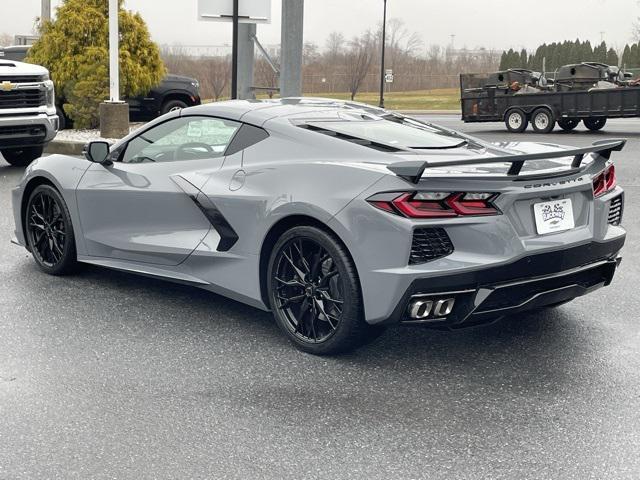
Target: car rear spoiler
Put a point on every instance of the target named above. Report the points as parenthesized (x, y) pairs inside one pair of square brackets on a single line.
[(413, 171)]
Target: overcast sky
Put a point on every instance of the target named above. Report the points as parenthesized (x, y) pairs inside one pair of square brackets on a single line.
[(491, 23)]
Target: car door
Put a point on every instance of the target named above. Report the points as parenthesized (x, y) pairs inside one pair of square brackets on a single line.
[(138, 209)]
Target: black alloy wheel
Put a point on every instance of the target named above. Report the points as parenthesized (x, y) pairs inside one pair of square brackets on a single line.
[(49, 231), (314, 292)]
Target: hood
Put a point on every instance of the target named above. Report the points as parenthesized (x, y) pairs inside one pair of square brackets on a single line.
[(178, 79), (10, 68)]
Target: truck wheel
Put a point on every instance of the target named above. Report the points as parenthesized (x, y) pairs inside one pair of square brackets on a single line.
[(568, 124), (21, 157), (516, 121), (172, 105), (595, 123), (542, 121)]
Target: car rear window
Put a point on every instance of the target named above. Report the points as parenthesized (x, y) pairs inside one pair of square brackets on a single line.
[(392, 134)]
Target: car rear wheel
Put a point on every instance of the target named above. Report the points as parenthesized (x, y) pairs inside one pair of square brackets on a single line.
[(50, 232), (542, 121), (595, 123), (21, 157), (516, 121), (314, 293), (568, 124), (173, 105)]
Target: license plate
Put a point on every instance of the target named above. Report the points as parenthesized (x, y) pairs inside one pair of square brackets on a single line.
[(555, 216)]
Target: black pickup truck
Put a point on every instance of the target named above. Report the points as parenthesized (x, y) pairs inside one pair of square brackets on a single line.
[(174, 92)]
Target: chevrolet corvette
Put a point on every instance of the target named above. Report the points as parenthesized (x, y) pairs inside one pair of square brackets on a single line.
[(339, 218)]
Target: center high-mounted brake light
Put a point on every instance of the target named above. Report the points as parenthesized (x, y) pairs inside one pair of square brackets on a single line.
[(436, 204), (605, 181)]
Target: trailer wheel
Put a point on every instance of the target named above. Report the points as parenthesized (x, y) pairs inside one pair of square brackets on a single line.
[(595, 123), (516, 121), (568, 124), (543, 121)]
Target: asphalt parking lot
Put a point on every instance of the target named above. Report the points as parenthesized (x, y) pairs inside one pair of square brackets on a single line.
[(109, 375)]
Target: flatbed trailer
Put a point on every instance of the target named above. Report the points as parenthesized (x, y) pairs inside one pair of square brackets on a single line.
[(546, 108)]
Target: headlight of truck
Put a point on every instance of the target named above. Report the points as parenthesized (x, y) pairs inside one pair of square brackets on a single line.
[(195, 84), (51, 96)]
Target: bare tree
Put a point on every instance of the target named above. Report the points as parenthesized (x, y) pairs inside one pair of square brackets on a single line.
[(219, 75), (265, 76), (5, 39), (358, 59)]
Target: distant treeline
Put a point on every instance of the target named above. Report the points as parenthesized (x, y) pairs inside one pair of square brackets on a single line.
[(567, 52)]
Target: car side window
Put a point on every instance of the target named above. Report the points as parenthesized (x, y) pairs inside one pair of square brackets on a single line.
[(185, 138)]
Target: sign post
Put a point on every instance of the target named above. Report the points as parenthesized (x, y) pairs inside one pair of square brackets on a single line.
[(244, 15)]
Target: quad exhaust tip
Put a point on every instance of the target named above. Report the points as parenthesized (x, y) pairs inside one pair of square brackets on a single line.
[(431, 309)]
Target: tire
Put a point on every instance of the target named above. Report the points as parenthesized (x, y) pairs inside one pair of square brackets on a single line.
[(49, 231), (171, 105), (317, 301), (595, 123), (516, 121), (21, 157), (543, 121), (62, 119), (568, 124)]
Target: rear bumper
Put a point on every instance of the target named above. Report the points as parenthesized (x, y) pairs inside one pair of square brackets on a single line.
[(531, 282)]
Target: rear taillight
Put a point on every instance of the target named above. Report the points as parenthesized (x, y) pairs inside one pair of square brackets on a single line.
[(435, 204), (605, 181)]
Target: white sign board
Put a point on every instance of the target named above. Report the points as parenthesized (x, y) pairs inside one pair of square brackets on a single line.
[(250, 11), (388, 78)]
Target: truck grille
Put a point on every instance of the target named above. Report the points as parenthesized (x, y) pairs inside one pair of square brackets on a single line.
[(429, 244), (21, 78), (615, 211), (31, 98)]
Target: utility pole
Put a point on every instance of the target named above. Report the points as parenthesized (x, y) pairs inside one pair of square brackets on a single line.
[(291, 50), (383, 44), (234, 49), (45, 11)]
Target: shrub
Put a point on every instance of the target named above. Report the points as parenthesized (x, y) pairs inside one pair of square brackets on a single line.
[(75, 49)]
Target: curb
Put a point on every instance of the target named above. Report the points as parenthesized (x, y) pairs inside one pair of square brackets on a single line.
[(430, 112), (64, 147)]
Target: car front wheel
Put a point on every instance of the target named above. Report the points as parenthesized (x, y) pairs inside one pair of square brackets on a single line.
[(314, 292), (50, 232)]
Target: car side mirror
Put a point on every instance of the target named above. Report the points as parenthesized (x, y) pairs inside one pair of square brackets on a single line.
[(97, 152)]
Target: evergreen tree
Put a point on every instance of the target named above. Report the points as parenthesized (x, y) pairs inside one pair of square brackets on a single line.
[(612, 57), (626, 56), (75, 49)]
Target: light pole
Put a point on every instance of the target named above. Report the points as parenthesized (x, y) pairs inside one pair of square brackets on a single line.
[(384, 41), (114, 57)]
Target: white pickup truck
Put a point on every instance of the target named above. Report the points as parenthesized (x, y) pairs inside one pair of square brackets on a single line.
[(28, 119)]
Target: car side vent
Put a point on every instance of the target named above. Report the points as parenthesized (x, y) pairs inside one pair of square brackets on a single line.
[(615, 211), (429, 244), (360, 141)]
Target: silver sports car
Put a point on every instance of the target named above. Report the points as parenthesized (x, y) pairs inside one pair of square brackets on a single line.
[(339, 218)]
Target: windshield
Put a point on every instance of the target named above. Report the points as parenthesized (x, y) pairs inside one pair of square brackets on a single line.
[(394, 134)]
